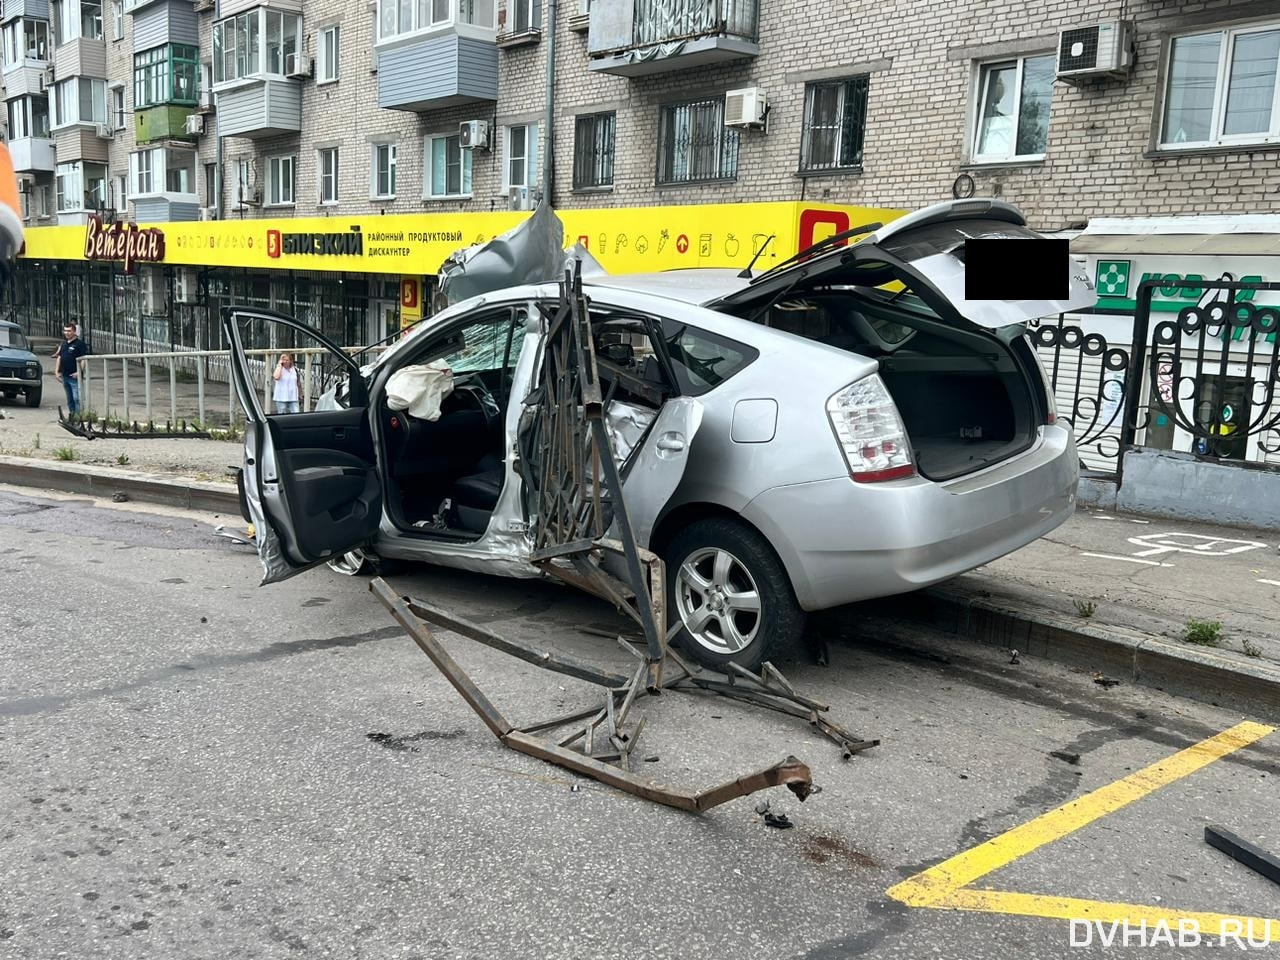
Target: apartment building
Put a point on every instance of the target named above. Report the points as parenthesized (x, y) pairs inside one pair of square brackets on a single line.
[(324, 157)]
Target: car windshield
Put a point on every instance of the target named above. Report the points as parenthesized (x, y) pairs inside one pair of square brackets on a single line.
[(12, 338)]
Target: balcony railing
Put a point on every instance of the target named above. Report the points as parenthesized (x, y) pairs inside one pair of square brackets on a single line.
[(639, 37), (663, 21)]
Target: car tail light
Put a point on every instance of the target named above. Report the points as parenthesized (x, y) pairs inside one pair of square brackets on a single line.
[(1050, 401), (871, 432)]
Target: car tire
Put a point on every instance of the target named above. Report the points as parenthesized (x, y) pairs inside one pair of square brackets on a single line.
[(33, 396), (718, 570)]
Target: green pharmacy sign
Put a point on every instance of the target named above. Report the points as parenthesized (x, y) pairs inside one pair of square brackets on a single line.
[(1117, 291)]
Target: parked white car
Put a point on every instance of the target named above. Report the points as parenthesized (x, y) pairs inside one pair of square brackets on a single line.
[(845, 427)]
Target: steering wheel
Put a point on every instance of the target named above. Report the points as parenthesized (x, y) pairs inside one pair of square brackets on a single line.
[(473, 388)]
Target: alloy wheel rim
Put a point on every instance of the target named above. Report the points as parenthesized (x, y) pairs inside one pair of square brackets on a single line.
[(718, 600), (350, 563)]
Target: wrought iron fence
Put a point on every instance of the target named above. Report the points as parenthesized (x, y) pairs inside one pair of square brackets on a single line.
[(1211, 374)]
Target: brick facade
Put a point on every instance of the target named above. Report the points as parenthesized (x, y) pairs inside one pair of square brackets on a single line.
[(920, 58)]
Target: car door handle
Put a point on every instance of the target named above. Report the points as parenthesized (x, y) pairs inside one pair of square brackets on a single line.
[(340, 433), (672, 442)]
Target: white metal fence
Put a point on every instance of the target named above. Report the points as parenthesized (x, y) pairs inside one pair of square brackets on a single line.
[(187, 384)]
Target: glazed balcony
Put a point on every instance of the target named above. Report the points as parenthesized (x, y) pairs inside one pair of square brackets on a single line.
[(635, 38)]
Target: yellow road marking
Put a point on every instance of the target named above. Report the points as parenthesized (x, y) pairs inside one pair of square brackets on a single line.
[(946, 886)]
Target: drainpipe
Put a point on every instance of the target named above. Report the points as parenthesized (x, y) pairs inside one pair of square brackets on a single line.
[(217, 197), (548, 135)]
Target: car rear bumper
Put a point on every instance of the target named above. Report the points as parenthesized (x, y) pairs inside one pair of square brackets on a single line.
[(843, 541)]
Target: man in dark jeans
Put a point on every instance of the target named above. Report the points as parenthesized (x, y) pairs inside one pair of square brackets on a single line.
[(66, 366)]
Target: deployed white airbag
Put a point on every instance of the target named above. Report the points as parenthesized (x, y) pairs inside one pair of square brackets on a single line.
[(419, 390)]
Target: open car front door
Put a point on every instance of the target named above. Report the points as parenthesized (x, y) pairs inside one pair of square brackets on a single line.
[(310, 479)]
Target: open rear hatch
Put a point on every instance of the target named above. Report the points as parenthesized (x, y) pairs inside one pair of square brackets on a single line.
[(961, 372)]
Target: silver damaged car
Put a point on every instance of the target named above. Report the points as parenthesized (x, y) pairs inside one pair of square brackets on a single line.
[(843, 427)]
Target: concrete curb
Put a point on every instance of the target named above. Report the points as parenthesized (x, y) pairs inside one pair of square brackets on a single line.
[(1197, 673), (105, 482)]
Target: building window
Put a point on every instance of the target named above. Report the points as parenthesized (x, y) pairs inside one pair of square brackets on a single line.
[(76, 19), (161, 170), (122, 195), (835, 116), (523, 16), (396, 18), (280, 172), (211, 185), (1013, 98), (142, 171), (244, 182), (448, 167), (327, 169), (384, 171), (1222, 88), (25, 39), (260, 41), (180, 172), (118, 112), (79, 100), (520, 156), (117, 20), (165, 75), (284, 34), (328, 50), (80, 186), (593, 150), (28, 117), (694, 145)]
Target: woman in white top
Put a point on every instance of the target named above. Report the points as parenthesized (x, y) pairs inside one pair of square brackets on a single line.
[(285, 393)]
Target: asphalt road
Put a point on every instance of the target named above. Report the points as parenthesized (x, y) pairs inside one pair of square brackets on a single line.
[(193, 767)]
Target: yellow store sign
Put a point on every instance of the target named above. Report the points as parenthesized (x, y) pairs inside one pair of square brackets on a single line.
[(624, 240)]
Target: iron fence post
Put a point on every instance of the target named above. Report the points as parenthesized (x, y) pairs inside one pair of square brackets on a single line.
[(1134, 376)]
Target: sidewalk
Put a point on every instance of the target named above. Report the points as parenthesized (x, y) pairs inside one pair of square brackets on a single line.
[(1109, 593)]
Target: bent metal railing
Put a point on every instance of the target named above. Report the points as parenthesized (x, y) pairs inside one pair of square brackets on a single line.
[(1211, 371)]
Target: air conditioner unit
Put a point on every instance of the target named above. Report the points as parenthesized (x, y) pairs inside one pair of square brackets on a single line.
[(297, 65), (195, 124), (474, 134), (518, 198), (206, 103), (745, 107), (46, 79), (105, 132), (26, 184), (185, 286), (1099, 49), (208, 213), (200, 6)]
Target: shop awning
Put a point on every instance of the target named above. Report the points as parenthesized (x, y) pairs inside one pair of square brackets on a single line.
[(1247, 235)]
